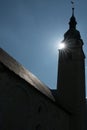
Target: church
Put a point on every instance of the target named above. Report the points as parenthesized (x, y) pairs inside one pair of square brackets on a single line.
[(28, 104)]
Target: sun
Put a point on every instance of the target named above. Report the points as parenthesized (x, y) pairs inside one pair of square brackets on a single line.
[(61, 46)]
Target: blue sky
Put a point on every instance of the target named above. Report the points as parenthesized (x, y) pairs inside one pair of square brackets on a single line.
[(30, 31)]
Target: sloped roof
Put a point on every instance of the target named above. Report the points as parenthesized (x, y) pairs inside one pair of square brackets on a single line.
[(18, 69)]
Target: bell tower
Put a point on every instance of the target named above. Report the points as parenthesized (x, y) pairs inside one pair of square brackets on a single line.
[(71, 75)]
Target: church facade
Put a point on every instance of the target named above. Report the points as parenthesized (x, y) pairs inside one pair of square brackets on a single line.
[(27, 104)]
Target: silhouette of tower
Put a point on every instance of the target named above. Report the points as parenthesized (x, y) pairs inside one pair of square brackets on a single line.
[(71, 76)]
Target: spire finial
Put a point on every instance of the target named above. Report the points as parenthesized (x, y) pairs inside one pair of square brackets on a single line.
[(72, 22), (72, 2)]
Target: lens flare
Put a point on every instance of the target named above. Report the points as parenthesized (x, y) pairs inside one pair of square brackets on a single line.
[(61, 46)]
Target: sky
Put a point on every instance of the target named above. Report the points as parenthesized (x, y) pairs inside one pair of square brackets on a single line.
[(30, 31)]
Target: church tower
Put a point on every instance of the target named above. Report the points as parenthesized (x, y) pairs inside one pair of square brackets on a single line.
[(71, 75)]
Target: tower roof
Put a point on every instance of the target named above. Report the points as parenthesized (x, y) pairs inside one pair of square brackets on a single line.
[(72, 33)]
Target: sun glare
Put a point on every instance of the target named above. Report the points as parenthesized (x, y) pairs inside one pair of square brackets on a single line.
[(61, 46)]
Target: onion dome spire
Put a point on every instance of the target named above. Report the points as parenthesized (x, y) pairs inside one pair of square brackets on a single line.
[(72, 23)]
